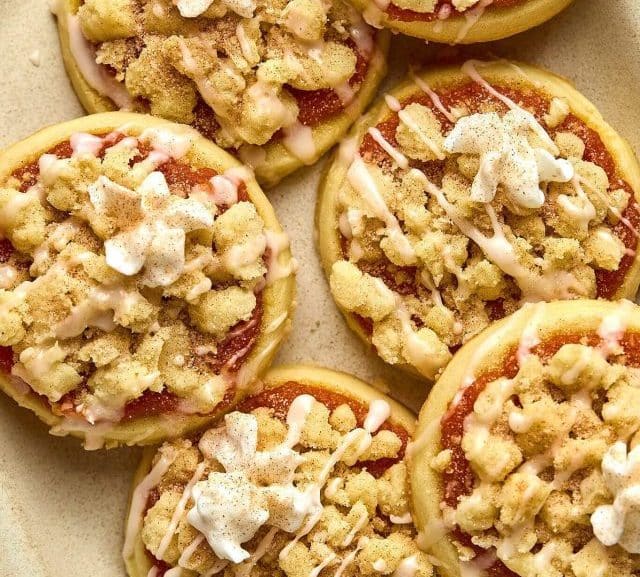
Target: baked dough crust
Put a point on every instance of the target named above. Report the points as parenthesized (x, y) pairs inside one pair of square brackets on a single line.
[(139, 564), (278, 161), (498, 73), (557, 318), (494, 24), (278, 297)]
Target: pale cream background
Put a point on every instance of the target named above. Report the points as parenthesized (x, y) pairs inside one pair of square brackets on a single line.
[(61, 509)]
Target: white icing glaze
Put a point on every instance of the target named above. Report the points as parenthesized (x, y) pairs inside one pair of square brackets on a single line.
[(8, 276), (37, 362), (177, 514), (529, 337), (195, 8), (298, 140), (471, 19), (248, 48), (97, 310), (346, 93), (333, 486), (229, 507), (247, 253), (613, 327), (277, 243), (380, 565), (225, 190), (406, 118), (477, 427), (400, 159), (190, 550), (361, 179), (519, 423), (469, 68), (408, 567), (350, 557), (192, 8), (50, 168), (296, 417), (493, 341), (357, 527), (393, 103), (435, 99), (174, 143), (325, 563), (229, 512), (379, 412), (244, 570), (361, 438), (534, 285), (94, 74), (612, 209), (416, 350), (427, 280), (405, 519), (619, 523), (140, 496), (361, 33), (584, 211), (83, 143)]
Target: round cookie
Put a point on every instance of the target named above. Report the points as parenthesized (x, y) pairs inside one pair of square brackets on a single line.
[(146, 281), (526, 450), (307, 475), (277, 82), (467, 191)]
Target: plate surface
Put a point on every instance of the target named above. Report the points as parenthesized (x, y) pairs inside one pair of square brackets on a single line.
[(62, 509)]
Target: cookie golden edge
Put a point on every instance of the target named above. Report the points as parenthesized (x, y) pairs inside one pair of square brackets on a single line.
[(279, 297), (560, 317), (138, 563), (494, 24), (497, 73), (278, 161)]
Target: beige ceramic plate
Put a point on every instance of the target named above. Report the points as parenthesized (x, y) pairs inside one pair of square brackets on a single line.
[(61, 509)]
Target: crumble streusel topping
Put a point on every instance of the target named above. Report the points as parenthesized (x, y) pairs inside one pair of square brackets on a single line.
[(472, 210), (554, 452), (240, 58), (261, 497), (121, 283)]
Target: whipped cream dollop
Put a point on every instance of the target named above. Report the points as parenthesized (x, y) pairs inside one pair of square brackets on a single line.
[(619, 523), (256, 487), (507, 157), (151, 226), (229, 509), (195, 8)]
